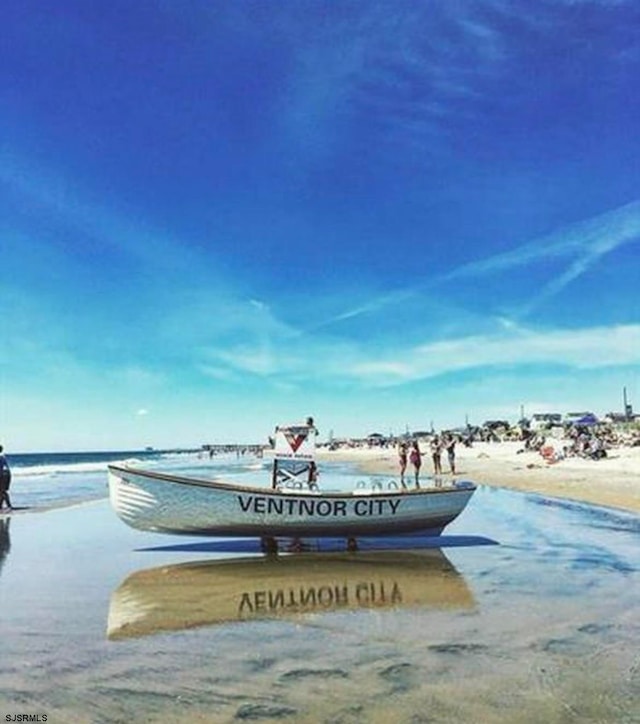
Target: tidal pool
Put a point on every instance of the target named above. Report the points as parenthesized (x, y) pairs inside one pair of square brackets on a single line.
[(529, 612)]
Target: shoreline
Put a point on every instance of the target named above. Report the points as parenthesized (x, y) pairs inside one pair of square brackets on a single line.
[(612, 482), (48, 507)]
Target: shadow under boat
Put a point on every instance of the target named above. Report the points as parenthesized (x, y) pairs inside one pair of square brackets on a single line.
[(275, 544), (275, 586)]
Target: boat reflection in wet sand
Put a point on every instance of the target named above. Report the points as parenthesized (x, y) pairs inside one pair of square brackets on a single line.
[(188, 595)]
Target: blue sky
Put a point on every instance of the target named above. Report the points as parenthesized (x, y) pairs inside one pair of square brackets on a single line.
[(219, 216)]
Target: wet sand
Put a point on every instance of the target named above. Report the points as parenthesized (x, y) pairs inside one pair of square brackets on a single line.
[(528, 613), (613, 481)]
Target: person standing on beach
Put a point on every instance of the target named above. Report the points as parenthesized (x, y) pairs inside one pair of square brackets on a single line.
[(402, 459), (436, 453), (450, 446), (416, 460), (5, 481)]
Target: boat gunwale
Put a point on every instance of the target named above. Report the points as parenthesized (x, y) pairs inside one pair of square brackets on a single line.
[(237, 488)]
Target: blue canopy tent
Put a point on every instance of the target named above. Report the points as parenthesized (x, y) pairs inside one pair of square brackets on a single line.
[(586, 421)]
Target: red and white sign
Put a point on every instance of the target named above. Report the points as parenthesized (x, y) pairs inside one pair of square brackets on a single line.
[(295, 441)]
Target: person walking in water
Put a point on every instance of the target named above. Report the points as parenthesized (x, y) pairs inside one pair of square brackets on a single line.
[(5, 481), (402, 460), (416, 460)]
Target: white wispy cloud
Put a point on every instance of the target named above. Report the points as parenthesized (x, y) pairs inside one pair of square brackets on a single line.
[(407, 69), (374, 304), (248, 337), (580, 349), (324, 360), (584, 244)]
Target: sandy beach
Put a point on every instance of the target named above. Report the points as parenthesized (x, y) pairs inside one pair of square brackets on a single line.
[(613, 481)]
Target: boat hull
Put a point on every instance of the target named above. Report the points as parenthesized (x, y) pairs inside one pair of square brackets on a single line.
[(165, 503)]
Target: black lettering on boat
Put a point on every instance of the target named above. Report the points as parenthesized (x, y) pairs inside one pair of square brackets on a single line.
[(394, 506), (306, 506), (245, 503), (396, 594), (360, 507), (311, 507), (290, 505), (259, 600), (339, 507), (275, 505)]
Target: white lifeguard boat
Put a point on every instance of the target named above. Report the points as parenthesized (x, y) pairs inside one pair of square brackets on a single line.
[(291, 504)]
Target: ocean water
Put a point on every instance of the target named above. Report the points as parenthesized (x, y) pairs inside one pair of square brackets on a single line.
[(52, 480)]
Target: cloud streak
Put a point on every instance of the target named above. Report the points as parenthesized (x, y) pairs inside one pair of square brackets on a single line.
[(584, 244), (591, 348), (586, 241), (325, 361)]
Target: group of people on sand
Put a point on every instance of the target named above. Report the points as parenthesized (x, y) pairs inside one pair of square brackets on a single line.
[(412, 454), (578, 442)]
